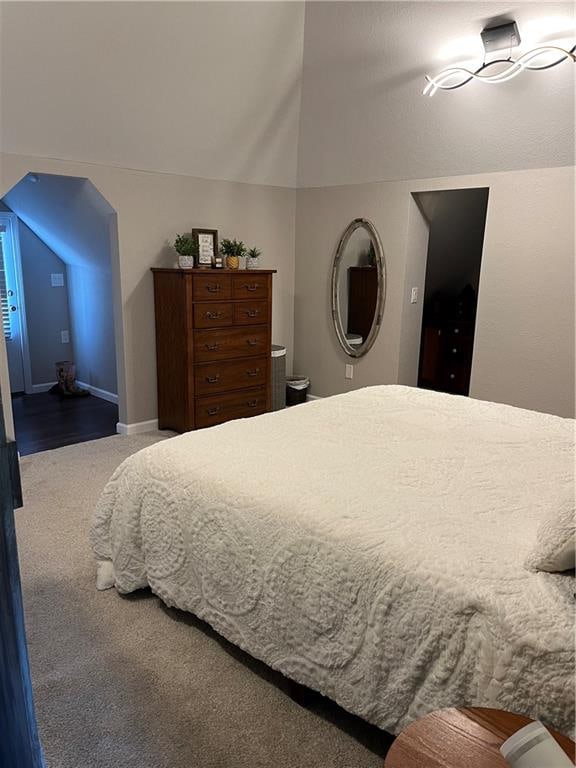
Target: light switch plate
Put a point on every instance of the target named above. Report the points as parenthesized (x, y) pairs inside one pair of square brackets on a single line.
[(349, 373), (57, 279), (65, 337), (414, 296)]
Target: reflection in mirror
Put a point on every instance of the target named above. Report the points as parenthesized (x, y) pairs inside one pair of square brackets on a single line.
[(358, 283)]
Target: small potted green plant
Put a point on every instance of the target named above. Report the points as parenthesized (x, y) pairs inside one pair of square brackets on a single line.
[(187, 250), (253, 258), (233, 250)]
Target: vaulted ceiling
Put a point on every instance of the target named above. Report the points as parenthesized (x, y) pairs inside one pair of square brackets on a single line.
[(278, 92)]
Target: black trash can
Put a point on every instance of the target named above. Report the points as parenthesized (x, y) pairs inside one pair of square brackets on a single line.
[(296, 389)]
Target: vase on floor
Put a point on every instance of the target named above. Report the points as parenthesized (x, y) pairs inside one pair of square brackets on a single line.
[(66, 381)]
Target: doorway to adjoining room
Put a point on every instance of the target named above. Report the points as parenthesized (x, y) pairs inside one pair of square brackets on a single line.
[(456, 220), (58, 238)]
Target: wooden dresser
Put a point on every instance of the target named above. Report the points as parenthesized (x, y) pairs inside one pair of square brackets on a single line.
[(213, 344), (446, 358)]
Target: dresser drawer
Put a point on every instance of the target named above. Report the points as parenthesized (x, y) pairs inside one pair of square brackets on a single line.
[(251, 312), (247, 286), (224, 343), (457, 350), (212, 286), (209, 314), (234, 405), (229, 375), (459, 330)]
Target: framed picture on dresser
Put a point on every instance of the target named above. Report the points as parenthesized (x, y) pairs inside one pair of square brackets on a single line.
[(207, 241)]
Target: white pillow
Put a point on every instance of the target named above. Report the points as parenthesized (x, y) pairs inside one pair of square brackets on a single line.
[(554, 550)]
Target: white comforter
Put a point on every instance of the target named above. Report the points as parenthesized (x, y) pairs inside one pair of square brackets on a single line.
[(368, 545)]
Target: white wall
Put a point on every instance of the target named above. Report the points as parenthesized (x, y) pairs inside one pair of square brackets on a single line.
[(363, 115), (414, 276), (90, 296), (322, 216), (151, 208), (524, 343), (207, 89), (46, 306)]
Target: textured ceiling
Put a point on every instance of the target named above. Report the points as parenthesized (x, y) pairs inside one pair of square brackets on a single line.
[(363, 116), (272, 93), (207, 89)]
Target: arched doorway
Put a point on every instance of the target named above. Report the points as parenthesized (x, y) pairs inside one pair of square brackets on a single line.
[(61, 263)]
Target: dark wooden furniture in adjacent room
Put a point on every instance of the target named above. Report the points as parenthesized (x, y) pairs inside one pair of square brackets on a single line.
[(213, 345), (446, 362), (447, 343), (460, 738)]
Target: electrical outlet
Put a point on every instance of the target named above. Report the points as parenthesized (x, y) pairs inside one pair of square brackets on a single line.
[(414, 296), (349, 372), (65, 337)]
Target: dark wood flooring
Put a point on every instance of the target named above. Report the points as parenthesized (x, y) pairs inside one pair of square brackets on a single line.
[(46, 421)]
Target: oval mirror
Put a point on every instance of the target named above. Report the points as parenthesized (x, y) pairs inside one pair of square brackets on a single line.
[(358, 287)]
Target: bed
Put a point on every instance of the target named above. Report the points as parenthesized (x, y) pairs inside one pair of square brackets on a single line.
[(369, 545)]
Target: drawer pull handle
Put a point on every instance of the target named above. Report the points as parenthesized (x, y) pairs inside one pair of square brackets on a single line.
[(454, 351), (253, 287), (452, 376), (213, 411), (213, 288), (213, 379), (214, 315), (456, 330), (252, 342), (212, 347), (253, 372), (251, 313), (252, 403)]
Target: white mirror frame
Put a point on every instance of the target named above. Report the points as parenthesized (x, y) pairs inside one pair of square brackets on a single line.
[(354, 351)]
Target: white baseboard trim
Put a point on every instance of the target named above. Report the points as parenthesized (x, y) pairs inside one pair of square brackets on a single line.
[(97, 392), (137, 428), (37, 388), (313, 397)]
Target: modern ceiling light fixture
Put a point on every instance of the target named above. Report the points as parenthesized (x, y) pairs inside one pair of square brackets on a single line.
[(502, 37)]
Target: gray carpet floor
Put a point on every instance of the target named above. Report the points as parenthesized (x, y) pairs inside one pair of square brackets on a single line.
[(126, 682)]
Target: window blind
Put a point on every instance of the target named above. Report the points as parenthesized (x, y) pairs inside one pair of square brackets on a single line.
[(4, 304)]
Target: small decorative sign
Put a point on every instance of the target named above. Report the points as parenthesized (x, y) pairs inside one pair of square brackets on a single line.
[(207, 240)]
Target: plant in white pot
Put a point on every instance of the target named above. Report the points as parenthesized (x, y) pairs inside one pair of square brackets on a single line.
[(187, 250), (253, 258)]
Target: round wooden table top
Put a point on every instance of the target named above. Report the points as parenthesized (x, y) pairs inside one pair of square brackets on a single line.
[(460, 738)]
